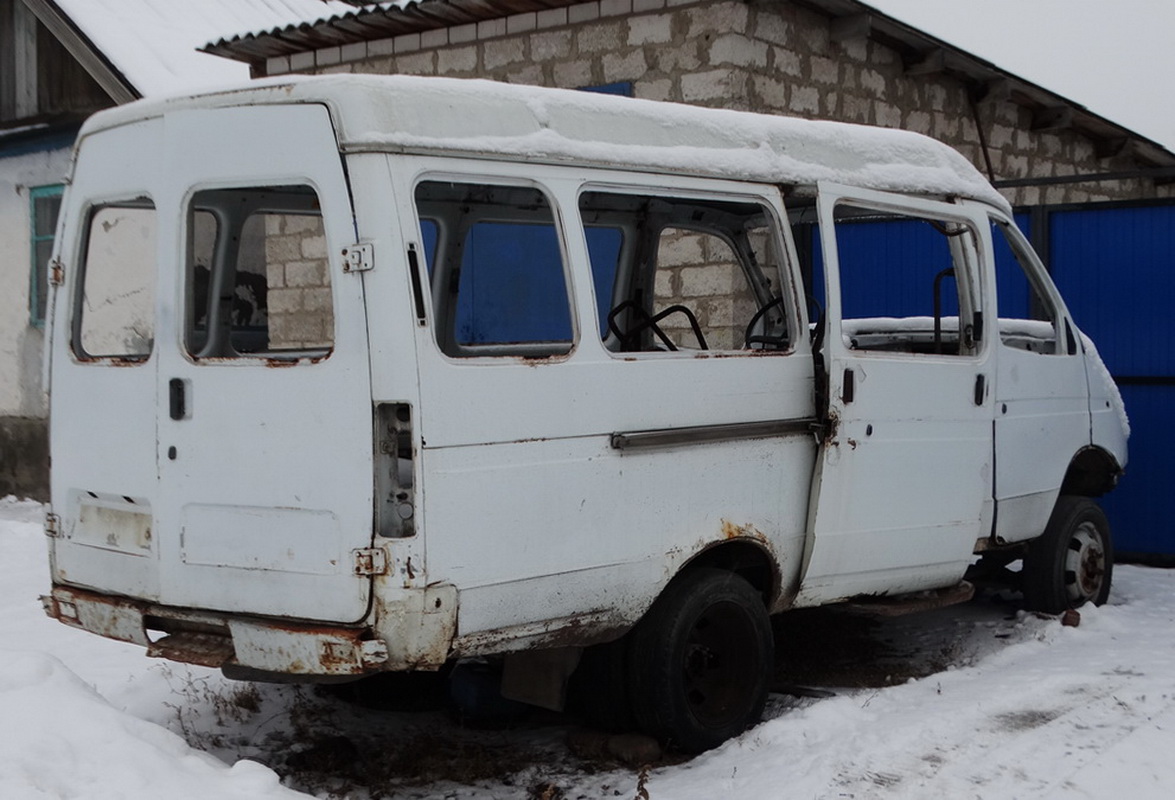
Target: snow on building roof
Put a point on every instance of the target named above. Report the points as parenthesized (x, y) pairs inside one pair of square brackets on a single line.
[(476, 117), (153, 42)]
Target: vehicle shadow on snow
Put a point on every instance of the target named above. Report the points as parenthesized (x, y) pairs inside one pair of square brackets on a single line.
[(398, 735)]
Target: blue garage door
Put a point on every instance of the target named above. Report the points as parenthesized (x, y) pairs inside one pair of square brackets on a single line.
[(1116, 269)]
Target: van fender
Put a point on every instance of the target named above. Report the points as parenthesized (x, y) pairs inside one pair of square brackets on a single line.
[(1093, 472)]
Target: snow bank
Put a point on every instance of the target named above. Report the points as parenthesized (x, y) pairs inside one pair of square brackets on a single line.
[(62, 740)]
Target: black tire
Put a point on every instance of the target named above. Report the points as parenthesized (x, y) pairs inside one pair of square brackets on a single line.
[(700, 661), (1072, 563)]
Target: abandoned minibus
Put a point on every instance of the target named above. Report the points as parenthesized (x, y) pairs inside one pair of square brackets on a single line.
[(356, 374)]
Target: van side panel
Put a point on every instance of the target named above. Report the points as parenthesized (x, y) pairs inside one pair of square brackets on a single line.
[(530, 508)]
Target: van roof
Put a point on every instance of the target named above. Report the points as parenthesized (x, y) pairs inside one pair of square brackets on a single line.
[(400, 113)]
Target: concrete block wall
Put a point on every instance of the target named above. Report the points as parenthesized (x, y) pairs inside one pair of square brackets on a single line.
[(699, 271), (769, 57), (301, 313)]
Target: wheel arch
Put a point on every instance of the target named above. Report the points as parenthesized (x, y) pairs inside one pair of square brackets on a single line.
[(1092, 473), (747, 559)]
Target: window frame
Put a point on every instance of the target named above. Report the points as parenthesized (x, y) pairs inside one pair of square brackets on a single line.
[(39, 273), (1041, 285), (142, 200), (443, 309), (782, 244), (971, 299), (221, 253)]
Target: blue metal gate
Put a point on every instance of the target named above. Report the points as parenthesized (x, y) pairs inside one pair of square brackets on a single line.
[(1116, 268)]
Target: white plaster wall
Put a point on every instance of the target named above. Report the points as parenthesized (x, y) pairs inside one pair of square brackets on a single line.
[(21, 344)]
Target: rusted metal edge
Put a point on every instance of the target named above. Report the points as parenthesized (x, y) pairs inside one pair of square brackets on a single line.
[(897, 606), (700, 434)]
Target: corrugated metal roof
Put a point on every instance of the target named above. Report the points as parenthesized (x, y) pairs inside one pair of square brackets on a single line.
[(365, 21), (920, 51)]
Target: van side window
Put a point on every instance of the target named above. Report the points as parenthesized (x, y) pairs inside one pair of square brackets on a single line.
[(908, 284), (258, 277), (1028, 318), (115, 312), (685, 274), (499, 285)]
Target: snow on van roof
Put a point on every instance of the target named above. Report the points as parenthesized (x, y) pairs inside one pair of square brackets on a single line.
[(476, 117)]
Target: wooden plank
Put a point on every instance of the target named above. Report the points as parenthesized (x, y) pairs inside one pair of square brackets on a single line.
[(932, 63), (7, 64), (24, 67), (854, 26), (1058, 118)]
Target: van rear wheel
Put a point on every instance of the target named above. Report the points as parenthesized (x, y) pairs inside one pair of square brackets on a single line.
[(1072, 562), (700, 661)]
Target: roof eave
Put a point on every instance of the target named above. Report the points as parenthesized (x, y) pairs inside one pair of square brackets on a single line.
[(93, 60)]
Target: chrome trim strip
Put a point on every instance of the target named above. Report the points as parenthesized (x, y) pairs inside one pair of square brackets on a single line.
[(703, 434)]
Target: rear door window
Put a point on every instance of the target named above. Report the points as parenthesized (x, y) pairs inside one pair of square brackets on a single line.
[(115, 312), (258, 279)]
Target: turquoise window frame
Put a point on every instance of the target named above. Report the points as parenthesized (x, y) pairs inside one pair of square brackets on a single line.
[(38, 271)]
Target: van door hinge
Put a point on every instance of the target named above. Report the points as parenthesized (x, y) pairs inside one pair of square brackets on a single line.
[(52, 525), (358, 258), (56, 272), (370, 561)]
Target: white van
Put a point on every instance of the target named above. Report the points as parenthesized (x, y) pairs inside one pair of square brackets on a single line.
[(358, 374)]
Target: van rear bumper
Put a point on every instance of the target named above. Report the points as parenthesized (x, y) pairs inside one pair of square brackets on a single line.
[(298, 650)]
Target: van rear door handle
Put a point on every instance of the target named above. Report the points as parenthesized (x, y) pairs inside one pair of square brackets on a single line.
[(176, 399), (980, 389)]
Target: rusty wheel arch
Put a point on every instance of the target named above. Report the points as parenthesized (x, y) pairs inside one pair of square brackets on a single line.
[(1091, 473), (744, 557)]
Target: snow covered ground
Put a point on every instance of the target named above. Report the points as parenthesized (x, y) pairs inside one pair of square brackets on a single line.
[(1022, 708)]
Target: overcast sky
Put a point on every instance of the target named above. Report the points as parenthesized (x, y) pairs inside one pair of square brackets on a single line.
[(1115, 57)]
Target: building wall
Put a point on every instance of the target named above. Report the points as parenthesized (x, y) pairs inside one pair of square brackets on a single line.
[(761, 56), (23, 408)]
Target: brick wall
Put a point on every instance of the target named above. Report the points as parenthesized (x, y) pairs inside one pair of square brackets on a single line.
[(771, 57), (298, 276)]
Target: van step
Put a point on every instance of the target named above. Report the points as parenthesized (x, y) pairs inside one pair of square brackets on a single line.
[(898, 605), (205, 649)]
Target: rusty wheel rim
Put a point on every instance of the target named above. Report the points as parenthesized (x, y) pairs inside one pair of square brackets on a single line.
[(1085, 564)]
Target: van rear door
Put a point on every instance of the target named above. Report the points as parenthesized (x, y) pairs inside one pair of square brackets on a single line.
[(264, 396), (238, 478)]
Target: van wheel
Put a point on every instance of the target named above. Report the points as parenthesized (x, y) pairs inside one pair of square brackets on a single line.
[(1072, 562), (700, 661)]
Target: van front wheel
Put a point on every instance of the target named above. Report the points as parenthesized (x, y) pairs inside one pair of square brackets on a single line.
[(701, 660), (1073, 560)]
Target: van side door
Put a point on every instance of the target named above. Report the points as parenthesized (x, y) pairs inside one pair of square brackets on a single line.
[(902, 489)]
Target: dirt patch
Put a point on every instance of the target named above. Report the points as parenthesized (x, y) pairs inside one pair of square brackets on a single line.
[(823, 647)]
